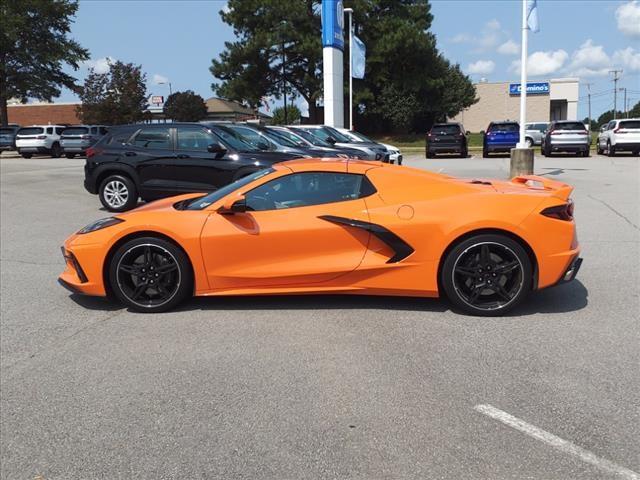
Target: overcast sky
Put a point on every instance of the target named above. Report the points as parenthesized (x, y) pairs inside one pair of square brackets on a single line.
[(176, 40)]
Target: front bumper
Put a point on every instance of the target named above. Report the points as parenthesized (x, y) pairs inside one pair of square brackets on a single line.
[(83, 272)]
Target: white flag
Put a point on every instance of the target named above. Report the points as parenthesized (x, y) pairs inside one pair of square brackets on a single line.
[(359, 54), (532, 15)]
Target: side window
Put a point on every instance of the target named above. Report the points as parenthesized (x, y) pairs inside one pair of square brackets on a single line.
[(103, 130), (305, 189), (94, 130), (120, 138), (194, 139), (255, 139), (49, 130), (157, 138), (59, 130), (612, 125)]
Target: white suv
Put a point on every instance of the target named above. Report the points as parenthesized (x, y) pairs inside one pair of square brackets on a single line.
[(618, 135), (39, 139)]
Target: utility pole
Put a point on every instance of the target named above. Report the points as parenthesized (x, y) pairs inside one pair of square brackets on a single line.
[(589, 102), (616, 77), (624, 104)]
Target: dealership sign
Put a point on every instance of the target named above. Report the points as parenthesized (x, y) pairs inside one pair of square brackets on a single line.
[(533, 88), (333, 24), (157, 99)]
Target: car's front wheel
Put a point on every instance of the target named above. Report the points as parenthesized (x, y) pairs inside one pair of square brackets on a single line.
[(118, 193), (487, 274), (56, 150), (150, 274), (70, 155)]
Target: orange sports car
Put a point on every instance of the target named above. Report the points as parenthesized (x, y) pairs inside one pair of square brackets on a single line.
[(335, 226)]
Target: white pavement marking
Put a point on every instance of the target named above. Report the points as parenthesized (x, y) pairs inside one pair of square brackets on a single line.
[(556, 442)]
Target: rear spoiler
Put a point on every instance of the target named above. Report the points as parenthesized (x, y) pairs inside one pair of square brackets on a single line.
[(558, 189)]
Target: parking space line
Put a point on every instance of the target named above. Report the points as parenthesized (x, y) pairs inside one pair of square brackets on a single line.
[(556, 442)]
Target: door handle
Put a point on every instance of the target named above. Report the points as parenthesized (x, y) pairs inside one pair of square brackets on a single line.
[(183, 155), (130, 154)]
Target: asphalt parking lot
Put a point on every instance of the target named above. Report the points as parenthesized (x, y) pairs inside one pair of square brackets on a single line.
[(325, 386)]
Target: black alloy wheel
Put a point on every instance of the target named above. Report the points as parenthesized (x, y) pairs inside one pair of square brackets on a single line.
[(150, 275), (487, 275)]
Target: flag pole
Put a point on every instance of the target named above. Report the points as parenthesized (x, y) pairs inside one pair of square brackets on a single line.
[(523, 76), (350, 12)]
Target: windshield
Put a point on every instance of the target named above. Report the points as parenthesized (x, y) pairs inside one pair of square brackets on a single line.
[(203, 202), (337, 136), (6, 130), (256, 138), (310, 137), (231, 139), (296, 138), (446, 129), (361, 137), (570, 126), (31, 131), (75, 131), (504, 127), (282, 140)]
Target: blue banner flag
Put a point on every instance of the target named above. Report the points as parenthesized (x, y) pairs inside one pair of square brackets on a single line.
[(532, 15), (358, 58)]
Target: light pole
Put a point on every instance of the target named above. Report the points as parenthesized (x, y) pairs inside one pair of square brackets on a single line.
[(167, 83), (350, 12)]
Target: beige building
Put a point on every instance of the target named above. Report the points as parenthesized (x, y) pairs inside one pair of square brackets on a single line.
[(556, 99)]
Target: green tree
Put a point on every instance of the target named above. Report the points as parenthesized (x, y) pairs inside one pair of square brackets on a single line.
[(253, 67), (635, 111), (185, 106), (34, 47), (408, 83), (115, 97), (606, 117), (293, 115)]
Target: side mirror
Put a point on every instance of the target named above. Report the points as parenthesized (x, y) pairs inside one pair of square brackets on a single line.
[(331, 140), (216, 148), (236, 204)]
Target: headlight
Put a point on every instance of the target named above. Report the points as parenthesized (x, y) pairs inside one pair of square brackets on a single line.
[(100, 224)]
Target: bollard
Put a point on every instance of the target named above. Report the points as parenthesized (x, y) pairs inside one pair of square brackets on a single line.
[(521, 162)]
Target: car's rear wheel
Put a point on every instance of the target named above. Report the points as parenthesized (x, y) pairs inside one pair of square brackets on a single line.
[(485, 153), (150, 274), (464, 153), (26, 155), (70, 155), (56, 150), (118, 193), (599, 150), (611, 150), (487, 274)]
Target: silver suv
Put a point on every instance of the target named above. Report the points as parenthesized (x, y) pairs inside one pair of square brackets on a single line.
[(39, 139), (77, 138), (566, 136), (534, 132)]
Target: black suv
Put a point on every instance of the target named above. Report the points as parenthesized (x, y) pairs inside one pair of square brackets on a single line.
[(153, 161), (446, 138)]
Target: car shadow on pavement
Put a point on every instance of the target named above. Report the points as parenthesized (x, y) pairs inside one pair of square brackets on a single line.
[(568, 297)]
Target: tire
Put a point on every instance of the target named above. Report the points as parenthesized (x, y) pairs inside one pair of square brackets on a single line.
[(528, 142), (546, 151), (599, 150), (150, 275), (464, 153), (585, 153), (26, 155), (70, 155), (429, 154), (501, 265), (485, 153), (118, 193), (56, 150), (611, 150)]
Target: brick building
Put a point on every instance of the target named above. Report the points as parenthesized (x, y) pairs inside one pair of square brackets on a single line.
[(556, 99), (44, 113)]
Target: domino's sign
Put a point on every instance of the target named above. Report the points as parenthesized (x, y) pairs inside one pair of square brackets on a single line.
[(333, 24), (533, 88)]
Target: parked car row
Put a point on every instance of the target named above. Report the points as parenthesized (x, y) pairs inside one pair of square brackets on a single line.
[(53, 140), (152, 161), (558, 136)]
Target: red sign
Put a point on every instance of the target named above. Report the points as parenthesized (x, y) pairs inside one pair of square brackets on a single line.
[(157, 99)]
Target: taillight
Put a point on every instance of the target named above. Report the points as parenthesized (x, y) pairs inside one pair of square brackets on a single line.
[(553, 132), (618, 130), (91, 151), (560, 212)]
